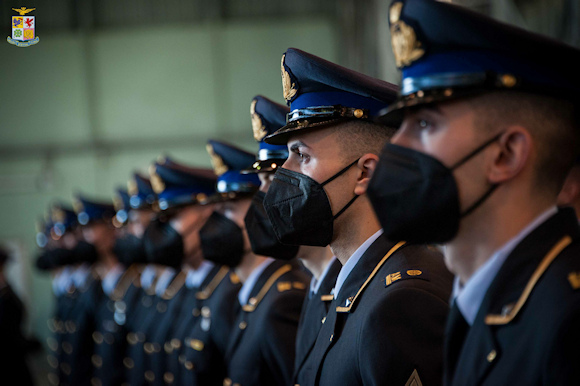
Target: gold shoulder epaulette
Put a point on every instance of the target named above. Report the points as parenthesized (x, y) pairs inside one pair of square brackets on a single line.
[(175, 286), (212, 285)]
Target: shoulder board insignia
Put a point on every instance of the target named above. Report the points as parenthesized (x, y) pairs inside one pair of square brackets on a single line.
[(408, 274), (284, 286), (574, 279), (298, 285), (327, 298), (253, 303)]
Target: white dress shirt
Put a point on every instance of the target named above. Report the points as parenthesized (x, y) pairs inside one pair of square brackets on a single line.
[(315, 283), (249, 284), (195, 277), (354, 259)]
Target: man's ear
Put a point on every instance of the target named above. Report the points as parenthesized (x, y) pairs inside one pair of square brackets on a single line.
[(366, 166), (512, 155), (570, 192)]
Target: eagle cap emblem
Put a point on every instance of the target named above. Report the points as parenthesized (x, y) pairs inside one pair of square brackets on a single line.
[(289, 87), (406, 47), (257, 124), (156, 182), (219, 166)]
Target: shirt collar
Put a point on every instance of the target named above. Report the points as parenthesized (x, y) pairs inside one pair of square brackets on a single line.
[(164, 280), (353, 260), (80, 275), (147, 276), (470, 296), (110, 280), (315, 283), (195, 277), (62, 281), (250, 282)]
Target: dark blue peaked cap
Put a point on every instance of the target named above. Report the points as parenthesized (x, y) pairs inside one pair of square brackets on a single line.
[(446, 51), (121, 201), (321, 93), (267, 118), (177, 185), (88, 210), (63, 218), (228, 162), (141, 193)]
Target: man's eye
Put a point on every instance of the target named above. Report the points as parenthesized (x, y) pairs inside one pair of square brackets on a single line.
[(423, 123)]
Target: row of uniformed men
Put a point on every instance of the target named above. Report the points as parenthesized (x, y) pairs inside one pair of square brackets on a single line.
[(470, 152)]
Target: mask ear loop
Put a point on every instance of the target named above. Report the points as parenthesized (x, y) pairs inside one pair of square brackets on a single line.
[(344, 208), (492, 188)]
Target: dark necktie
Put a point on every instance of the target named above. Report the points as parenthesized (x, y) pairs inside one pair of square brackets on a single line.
[(456, 331)]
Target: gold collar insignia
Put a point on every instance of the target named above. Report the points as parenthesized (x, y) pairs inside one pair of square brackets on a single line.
[(257, 124), (156, 182), (132, 187), (406, 47)]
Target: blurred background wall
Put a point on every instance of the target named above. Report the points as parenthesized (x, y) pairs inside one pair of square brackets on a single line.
[(114, 84)]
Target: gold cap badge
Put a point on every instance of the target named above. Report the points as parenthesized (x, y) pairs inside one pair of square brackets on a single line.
[(156, 182), (132, 187), (257, 124), (78, 206), (58, 214), (219, 167), (406, 47), (289, 87)]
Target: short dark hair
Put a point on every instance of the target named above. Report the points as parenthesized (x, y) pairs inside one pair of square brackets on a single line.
[(552, 122), (361, 137)]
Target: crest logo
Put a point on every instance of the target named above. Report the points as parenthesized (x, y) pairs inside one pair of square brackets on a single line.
[(23, 28), (406, 47)]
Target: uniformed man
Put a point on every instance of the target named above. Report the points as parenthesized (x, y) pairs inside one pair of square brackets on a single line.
[(260, 350), (95, 220), (386, 319), (193, 339), (267, 117), (14, 347), (118, 280), (489, 134), (183, 201)]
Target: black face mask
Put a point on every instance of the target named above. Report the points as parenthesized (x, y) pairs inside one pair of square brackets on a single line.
[(129, 250), (163, 244), (262, 236), (415, 196), (299, 209), (222, 240), (85, 253)]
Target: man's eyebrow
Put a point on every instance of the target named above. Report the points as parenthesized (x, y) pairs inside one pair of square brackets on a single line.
[(296, 145), (430, 109)]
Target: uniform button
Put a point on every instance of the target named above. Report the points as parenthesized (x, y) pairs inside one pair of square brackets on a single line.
[(97, 337), (188, 365), (227, 382), (109, 338), (53, 379), (331, 337), (243, 325), (97, 361), (181, 359), (131, 338), (168, 377), (196, 312), (148, 348), (168, 347), (149, 376), (96, 382), (323, 320), (197, 344), (67, 348), (491, 356), (176, 343), (70, 326), (52, 344), (65, 367), (253, 301), (52, 361), (128, 363), (205, 312), (161, 307)]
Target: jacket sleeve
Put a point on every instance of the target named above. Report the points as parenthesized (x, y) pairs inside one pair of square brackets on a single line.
[(402, 334)]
